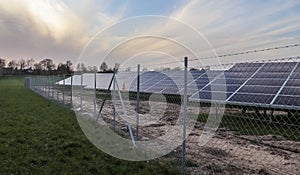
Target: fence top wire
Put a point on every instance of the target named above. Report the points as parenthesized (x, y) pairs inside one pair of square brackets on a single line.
[(226, 55)]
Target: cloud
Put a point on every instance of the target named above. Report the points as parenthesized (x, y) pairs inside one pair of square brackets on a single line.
[(241, 25), (48, 28)]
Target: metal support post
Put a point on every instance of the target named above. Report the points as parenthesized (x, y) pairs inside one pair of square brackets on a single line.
[(137, 102), (183, 168)]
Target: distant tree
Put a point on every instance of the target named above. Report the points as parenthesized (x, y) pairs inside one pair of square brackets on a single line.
[(2, 62), (145, 69), (22, 64), (38, 66), (69, 65), (176, 69), (12, 64), (47, 64), (194, 69), (81, 67), (30, 63), (117, 66), (90, 69), (103, 67), (128, 69), (95, 69), (166, 69), (62, 68)]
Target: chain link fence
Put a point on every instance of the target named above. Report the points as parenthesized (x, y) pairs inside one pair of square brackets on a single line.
[(242, 120)]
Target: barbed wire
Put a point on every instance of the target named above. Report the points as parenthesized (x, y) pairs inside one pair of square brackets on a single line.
[(257, 61), (224, 55)]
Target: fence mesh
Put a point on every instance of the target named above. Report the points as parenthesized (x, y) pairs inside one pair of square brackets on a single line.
[(242, 120)]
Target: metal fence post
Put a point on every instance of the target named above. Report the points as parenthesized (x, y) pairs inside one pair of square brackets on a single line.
[(64, 87), (95, 87), (81, 84), (71, 98), (137, 101), (114, 101), (183, 168)]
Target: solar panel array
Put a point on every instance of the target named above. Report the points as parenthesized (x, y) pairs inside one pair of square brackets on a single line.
[(254, 84), (264, 84)]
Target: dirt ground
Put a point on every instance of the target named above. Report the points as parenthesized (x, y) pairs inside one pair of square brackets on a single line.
[(225, 153)]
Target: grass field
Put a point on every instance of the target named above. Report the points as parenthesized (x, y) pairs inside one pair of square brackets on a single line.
[(41, 137)]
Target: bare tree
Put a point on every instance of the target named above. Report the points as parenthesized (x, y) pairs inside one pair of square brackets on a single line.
[(38, 66), (22, 64), (30, 63), (2, 63), (12, 64)]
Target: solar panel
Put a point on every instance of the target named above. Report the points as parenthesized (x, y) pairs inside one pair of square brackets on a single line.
[(265, 82), (219, 88), (237, 81), (208, 95), (252, 98), (271, 75), (259, 89)]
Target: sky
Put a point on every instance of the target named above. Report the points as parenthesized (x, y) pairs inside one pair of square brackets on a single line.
[(87, 31)]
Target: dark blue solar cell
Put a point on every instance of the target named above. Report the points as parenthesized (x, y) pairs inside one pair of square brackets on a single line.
[(271, 75), (287, 100), (252, 98), (278, 67), (265, 81), (196, 74), (297, 70), (293, 82), (222, 88), (245, 67), (202, 81), (208, 95), (295, 75), (229, 81), (290, 91), (259, 89), (237, 74)]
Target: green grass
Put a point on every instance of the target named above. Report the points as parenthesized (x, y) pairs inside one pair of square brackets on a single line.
[(41, 137)]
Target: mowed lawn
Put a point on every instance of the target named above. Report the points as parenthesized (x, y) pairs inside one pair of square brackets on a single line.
[(38, 136)]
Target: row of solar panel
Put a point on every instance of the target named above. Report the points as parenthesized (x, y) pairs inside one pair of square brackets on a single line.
[(256, 83)]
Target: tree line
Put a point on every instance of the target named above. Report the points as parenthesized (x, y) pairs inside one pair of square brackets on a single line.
[(48, 67), (30, 66)]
